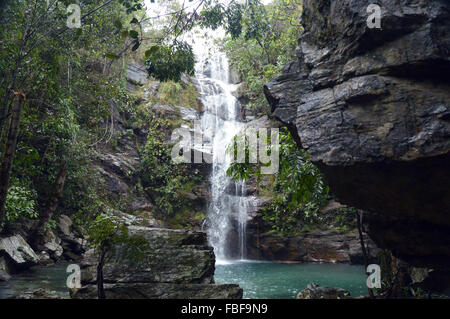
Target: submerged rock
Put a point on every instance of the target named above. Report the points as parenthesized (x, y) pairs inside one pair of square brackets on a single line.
[(180, 265), (37, 294), (372, 108), (314, 291)]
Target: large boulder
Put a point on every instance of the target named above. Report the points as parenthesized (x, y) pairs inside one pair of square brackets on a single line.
[(71, 238), (16, 253), (162, 291), (315, 246), (372, 108), (314, 291), (52, 245), (136, 74), (180, 264)]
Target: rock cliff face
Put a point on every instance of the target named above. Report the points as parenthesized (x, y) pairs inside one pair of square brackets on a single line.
[(118, 164), (331, 243), (372, 108), (180, 265), (318, 246)]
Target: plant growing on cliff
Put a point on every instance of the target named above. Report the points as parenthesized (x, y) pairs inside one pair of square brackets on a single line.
[(109, 236), (21, 201), (299, 187), (164, 180), (266, 44), (169, 62)]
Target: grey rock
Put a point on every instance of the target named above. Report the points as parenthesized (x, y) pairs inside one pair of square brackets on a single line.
[(18, 254), (141, 204), (4, 276), (138, 220), (315, 246), (71, 238), (188, 114), (161, 291), (151, 89), (37, 294), (65, 226), (44, 258), (314, 291), (180, 264), (4, 273), (166, 110), (51, 244), (136, 74), (372, 108)]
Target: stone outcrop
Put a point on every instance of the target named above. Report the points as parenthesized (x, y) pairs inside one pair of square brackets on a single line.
[(72, 240), (336, 241), (180, 265), (372, 108), (314, 291), (39, 293), (16, 254), (315, 246)]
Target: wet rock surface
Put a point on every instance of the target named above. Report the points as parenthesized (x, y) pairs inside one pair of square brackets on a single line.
[(314, 291), (180, 265), (37, 294), (315, 246), (16, 254), (372, 107)]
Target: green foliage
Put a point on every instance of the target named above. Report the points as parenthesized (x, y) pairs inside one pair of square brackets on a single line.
[(236, 18), (175, 93), (108, 234), (267, 42), (20, 202), (51, 224), (169, 62), (70, 91), (132, 5), (299, 187), (163, 179), (212, 15)]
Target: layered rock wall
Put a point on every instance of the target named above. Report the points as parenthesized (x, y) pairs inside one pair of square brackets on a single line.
[(372, 108), (180, 265)]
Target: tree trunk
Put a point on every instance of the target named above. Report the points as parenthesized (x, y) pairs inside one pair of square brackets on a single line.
[(9, 151), (101, 263), (52, 205), (359, 216)]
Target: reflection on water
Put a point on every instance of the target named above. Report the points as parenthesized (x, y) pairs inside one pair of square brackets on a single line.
[(52, 278), (277, 280), (258, 279)]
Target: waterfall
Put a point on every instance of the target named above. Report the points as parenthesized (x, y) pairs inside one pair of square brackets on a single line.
[(220, 124)]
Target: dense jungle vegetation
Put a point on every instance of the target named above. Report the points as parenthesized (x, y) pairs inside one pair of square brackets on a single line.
[(70, 82)]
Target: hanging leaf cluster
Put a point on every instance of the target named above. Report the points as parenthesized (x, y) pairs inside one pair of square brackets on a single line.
[(169, 62)]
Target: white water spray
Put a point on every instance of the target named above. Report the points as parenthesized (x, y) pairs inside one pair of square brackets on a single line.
[(220, 124)]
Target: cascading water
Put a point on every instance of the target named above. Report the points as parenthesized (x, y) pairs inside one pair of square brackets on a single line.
[(220, 124)]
